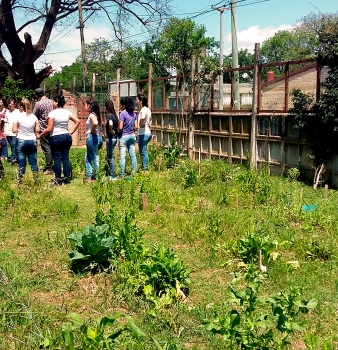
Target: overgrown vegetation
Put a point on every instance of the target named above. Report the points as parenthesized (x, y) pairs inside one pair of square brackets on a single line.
[(145, 278)]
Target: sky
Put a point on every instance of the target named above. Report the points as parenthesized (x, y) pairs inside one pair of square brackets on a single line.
[(257, 20)]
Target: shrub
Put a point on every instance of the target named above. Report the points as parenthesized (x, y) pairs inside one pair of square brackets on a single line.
[(93, 249)]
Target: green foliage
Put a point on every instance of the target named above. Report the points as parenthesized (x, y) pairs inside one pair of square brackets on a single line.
[(248, 247), (164, 272), (250, 324), (288, 45), (256, 182), (318, 250), (293, 174), (173, 153), (77, 334), (318, 120), (129, 243), (185, 174), (179, 40), (15, 89), (93, 248)]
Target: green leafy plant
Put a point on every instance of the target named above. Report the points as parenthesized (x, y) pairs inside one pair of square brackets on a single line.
[(254, 321), (318, 250), (293, 174), (256, 182), (248, 247), (128, 238), (93, 249), (96, 337), (185, 174), (173, 153), (165, 274)]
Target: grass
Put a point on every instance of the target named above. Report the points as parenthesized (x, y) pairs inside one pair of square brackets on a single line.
[(193, 211)]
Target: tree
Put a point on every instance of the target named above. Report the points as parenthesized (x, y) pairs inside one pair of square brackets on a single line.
[(288, 45), (245, 58), (318, 121), (23, 54), (13, 89), (179, 40)]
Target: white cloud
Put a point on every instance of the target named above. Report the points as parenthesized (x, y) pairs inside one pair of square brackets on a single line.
[(247, 38)]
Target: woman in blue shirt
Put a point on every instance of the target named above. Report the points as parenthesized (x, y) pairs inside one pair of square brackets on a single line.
[(127, 126)]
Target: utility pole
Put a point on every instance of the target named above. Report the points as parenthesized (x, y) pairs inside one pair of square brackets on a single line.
[(220, 77), (83, 49), (235, 53), (255, 97)]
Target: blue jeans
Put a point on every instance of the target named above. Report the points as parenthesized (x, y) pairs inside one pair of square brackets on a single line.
[(94, 143), (60, 145), (12, 142), (4, 149), (110, 145), (143, 141), (127, 142), (27, 149)]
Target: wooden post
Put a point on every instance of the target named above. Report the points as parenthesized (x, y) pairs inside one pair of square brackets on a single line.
[(118, 74), (191, 113), (301, 196), (251, 200), (93, 85), (144, 201), (199, 161), (255, 96), (326, 190), (150, 86)]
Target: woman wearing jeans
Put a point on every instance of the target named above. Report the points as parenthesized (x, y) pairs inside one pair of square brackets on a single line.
[(93, 140), (26, 126), (127, 127), (144, 133), (60, 138), (111, 132), (11, 115)]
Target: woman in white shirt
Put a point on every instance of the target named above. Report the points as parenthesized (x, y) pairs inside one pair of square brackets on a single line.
[(60, 138), (11, 115), (144, 133), (26, 126)]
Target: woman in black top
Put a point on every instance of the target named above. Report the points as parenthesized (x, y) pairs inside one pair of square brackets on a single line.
[(111, 131)]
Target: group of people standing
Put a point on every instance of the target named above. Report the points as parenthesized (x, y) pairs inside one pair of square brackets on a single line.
[(119, 130), (48, 122)]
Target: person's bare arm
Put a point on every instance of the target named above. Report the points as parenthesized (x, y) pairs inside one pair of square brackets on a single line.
[(95, 123), (76, 122), (120, 127), (15, 128), (50, 127), (37, 128)]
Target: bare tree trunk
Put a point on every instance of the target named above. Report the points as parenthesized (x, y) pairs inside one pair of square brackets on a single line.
[(318, 173)]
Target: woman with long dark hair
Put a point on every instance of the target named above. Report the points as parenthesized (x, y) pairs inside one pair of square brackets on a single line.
[(127, 126), (26, 126), (111, 140), (60, 138), (93, 140), (144, 133)]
